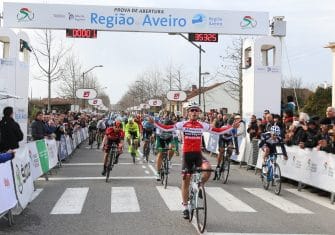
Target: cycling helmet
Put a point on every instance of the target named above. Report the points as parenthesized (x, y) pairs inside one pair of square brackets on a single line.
[(193, 105), (117, 123), (275, 130), (130, 120)]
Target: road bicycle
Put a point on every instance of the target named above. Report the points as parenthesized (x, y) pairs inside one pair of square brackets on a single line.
[(164, 171), (99, 138), (148, 145), (271, 173), (197, 198), (112, 155), (91, 138), (225, 164), (133, 147)]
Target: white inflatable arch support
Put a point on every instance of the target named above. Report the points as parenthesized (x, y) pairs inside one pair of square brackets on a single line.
[(14, 76), (261, 76)]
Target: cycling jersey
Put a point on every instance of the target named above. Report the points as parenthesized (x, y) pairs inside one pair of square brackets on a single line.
[(92, 125), (192, 131), (132, 129), (271, 143), (101, 125)]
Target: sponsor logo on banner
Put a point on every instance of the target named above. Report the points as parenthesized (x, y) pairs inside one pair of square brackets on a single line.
[(76, 17), (248, 22), (58, 15), (86, 94), (215, 21), (24, 15), (6, 182), (199, 19)]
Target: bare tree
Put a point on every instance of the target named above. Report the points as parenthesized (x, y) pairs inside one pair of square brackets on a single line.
[(70, 78), (48, 55), (230, 71)]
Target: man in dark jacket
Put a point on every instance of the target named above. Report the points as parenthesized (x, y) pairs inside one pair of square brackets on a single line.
[(11, 133), (38, 129)]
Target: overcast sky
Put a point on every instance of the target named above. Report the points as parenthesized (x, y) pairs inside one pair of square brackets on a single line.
[(310, 26)]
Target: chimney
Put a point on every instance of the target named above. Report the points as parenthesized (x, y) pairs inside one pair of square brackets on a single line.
[(194, 87)]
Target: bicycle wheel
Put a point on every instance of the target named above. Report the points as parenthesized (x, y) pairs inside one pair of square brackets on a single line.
[(99, 141), (110, 163), (166, 171), (162, 173), (265, 181), (146, 152), (201, 209), (191, 202), (276, 180), (225, 169)]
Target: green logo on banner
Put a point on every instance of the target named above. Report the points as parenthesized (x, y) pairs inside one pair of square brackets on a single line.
[(43, 155)]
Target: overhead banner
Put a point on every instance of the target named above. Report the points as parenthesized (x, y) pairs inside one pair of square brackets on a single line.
[(134, 19), (155, 103), (95, 102), (176, 95), (7, 191)]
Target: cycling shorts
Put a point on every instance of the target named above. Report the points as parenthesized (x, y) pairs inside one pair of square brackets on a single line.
[(108, 146), (191, 159), (147, 133), (133, 135), (225, 143)]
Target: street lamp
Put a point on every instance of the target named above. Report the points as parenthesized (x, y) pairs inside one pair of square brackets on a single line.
[(203, 86), (200, 50), (96, 66)]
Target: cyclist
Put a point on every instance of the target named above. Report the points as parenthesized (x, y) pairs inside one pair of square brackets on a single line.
[(269, 141), (225, 142), (101, 127), (92, 130), (164, 139), (132, 131), (116, 135), (192, 132), (148, 131)]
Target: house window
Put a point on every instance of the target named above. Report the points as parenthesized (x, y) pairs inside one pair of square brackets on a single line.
[(268, 55), (247, 58)]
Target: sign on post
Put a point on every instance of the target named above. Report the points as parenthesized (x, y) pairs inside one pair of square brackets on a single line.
[(95, 102), (155, 103), (86, 94), (176, 95)]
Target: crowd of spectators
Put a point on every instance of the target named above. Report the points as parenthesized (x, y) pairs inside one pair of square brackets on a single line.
[(299, 129)]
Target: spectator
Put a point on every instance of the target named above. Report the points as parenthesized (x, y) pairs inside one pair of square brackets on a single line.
[(287, 119), (311, 136), (38, 129), (266, 112), (290, 104), (326, 142), (10, 131), (252, 127), (330, 116), (269, 122), (4, 157)]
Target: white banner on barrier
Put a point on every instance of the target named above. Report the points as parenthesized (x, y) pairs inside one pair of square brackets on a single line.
[(68, 145), (78, 137), (62, 148), (36, 169), (23, 177), (52, 152), (7, 190)]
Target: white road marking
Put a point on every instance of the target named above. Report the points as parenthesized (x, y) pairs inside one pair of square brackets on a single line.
[(71, 201), (323, 201), (35, 194), (147, 172), (171, 197), (153, 169), (124, 199), (227, 200), (206, 233), (144, 167), (94, 164), (97, 178), (277, 201)]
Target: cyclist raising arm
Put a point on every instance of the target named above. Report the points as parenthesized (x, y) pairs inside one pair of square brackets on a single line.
[(192, 131)]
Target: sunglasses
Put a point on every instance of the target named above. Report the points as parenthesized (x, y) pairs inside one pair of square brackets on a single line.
[(194, 110)]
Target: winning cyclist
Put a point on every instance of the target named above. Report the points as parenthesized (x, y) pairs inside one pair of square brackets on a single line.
[(132, 131), (116, 135), (269, 141), (192, 131)]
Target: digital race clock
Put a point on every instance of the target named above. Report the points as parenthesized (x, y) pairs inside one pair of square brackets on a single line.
[(81, 33), (203, 37)]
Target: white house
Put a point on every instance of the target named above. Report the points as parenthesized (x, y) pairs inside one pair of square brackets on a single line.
[(213, 97)]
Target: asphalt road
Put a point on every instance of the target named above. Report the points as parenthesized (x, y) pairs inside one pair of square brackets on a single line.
[(77, 200)]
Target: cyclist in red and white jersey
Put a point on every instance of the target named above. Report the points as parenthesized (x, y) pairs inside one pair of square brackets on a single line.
[(192, 131)]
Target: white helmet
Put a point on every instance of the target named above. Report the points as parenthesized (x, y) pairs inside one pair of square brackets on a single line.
[(275, 130), (193, 105)]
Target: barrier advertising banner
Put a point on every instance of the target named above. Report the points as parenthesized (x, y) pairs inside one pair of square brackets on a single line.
[(68, 145), (7, 190), (35, 164), (62, 148), (52, 152), (22, 176), (43, 154)]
